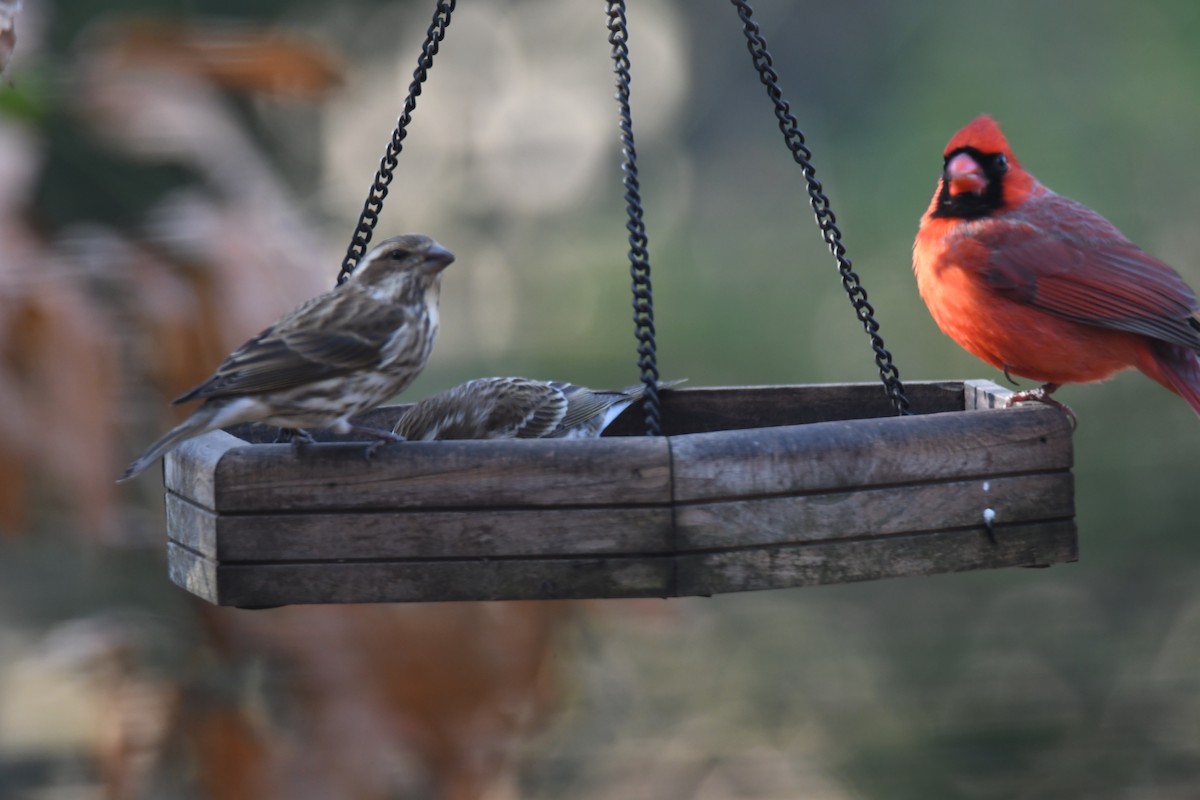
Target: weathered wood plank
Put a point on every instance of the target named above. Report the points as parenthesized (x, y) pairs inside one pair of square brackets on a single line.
[(1031, 544), (459, 474), (420, 534), (189, 469), (415, 581), (193, 526), (874, 512), (193, 572), (257, 585), (979, 395), (699, 409), (763, 487), (858, 454), (635, 531)]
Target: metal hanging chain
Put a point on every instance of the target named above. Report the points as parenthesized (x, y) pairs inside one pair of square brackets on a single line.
[(369, 217), (639, 256), (826, 220)]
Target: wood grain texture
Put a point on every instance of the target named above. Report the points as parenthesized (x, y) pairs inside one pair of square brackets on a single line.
[(872, 452), (444, 475), (1030, 544), (465, 579), (190, 468), (703, 573), (193, 526), (979, 395), (704, 409), (420, 534), (193, 572), (874, 512)]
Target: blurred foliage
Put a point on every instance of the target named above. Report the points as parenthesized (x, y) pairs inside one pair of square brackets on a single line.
[(1080, 681)]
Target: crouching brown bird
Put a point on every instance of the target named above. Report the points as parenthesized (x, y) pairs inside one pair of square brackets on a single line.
[(1041, 286), (517, 408), (334, 356)]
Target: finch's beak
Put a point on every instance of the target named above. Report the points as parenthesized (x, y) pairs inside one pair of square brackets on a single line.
[(437, 258), (963, 174)]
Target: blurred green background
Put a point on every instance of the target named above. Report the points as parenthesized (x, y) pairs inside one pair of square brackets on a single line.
[(138, 176)]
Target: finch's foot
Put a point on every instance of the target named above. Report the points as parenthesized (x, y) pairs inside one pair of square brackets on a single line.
[(297, 436), (1042, 395), (382, 437)]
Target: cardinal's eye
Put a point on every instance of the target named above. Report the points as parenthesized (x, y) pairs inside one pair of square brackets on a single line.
[(1000, 162)]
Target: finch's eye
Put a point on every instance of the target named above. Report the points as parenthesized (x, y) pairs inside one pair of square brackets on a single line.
[(1001, 163), (398, 255)]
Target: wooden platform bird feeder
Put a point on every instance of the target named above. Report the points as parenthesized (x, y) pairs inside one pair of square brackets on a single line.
[(751, 488)]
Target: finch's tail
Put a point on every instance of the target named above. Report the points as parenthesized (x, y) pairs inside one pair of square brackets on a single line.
[(625, 398), (1176, 368), (632, 395), (590, 412), (638, 389), (201, 421)]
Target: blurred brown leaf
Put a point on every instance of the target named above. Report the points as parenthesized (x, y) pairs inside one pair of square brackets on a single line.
[(224, 741), (238, 58), (60, 366), (177, 328), (135, 705), (455, 687)]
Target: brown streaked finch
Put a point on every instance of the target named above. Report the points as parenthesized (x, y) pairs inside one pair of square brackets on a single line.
[(334, 356), (516, 408)]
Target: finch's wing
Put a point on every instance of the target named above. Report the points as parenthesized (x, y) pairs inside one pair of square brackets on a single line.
[(1089, 273), (306, 347), (486, 408), (528, 409)]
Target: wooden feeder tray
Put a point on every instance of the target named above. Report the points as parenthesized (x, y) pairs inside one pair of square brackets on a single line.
[(751, 488)]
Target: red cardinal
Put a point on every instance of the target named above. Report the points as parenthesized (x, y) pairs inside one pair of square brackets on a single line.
[(1042, 286)]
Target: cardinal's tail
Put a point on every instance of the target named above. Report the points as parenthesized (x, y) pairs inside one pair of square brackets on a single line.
[(1176, 368)]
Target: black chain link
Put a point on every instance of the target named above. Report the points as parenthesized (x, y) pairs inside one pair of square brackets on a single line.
[(826, 221), (639, 255), (369, 217)]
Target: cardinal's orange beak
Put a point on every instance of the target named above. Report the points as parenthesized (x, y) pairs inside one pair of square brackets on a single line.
[(963, 174)]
